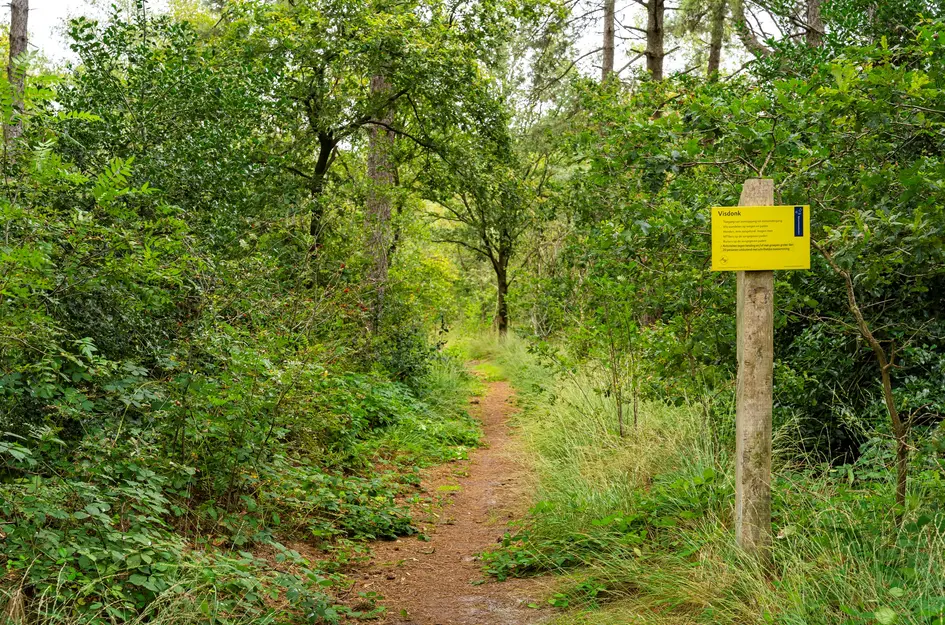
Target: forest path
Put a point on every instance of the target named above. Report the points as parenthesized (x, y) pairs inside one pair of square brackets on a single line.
[(466, 508)]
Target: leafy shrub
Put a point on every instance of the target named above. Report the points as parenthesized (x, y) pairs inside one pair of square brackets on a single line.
[(183, 389)]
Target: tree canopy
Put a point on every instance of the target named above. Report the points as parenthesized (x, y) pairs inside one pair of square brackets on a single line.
[(245, 244)]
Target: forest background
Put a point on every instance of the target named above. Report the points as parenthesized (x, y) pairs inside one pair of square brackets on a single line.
[(245, 245)]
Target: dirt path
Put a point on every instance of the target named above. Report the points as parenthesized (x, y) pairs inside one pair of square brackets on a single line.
[(468, 506)]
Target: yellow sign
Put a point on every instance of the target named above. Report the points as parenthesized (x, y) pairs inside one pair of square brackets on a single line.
[(755, 238)]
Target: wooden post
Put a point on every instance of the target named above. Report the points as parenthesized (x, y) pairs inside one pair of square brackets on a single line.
[(755, 319)]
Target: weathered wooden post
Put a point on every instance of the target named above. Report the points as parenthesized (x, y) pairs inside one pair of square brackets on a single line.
[(755, 238), (755, 349)]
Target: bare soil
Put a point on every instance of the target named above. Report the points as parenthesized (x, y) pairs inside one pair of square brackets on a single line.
[(466, 508)]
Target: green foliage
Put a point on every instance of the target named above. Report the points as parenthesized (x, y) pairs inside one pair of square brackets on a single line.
[(186, 391), (192, 377), (633, 270), (187, 110), (441, 429), (641, 525)]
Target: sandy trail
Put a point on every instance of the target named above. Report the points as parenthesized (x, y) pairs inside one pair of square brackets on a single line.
[(469, 507)]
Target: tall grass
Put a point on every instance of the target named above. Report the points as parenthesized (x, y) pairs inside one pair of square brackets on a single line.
[(510, 355), (642, 525)]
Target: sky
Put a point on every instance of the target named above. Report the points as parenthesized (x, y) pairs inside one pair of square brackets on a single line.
[(47, 19), (47, 23)]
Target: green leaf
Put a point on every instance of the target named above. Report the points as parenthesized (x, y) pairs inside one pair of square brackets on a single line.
[(138, 580), (886, 615)]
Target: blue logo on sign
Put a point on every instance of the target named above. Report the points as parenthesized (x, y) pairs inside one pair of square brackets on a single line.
[(798, 221)]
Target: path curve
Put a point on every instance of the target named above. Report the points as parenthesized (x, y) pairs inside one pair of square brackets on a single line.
[(469, 506)]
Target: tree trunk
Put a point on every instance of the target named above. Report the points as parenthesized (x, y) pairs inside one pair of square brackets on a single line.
[(815, 24), (616, 366), (609, 20), (501, 309), (16, 72), (900, 427), (715, 41), (380, 171), (655, 10), (618, 395), (745, 34), (326, 145), (902, 470)]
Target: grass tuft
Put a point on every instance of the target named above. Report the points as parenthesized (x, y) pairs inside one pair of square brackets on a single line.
[(642, 525)]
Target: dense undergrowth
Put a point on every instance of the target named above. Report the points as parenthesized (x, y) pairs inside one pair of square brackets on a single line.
[(203, 416), (642, 525), (125, 529)]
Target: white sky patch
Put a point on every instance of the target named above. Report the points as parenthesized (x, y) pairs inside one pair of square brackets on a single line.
[(48, 18), (47, 23)]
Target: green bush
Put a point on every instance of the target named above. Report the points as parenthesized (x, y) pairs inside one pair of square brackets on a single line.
[(185, 391)]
